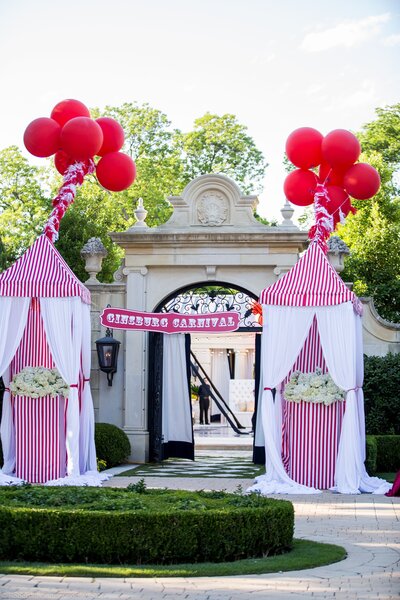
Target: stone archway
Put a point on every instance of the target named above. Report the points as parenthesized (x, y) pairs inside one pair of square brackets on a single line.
[(205, 298), (212, 235)]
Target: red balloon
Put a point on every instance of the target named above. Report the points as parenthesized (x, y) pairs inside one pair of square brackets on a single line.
[(337, 198), (329, 176), (81, 138), (116, 171), (113, 135), (42, 137), (303, 147), (340, 148), (299, 187), (69, 109), (362, 181), (62, 161)]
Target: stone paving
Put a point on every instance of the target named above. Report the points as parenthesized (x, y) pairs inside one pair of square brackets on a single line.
[(367, 526)]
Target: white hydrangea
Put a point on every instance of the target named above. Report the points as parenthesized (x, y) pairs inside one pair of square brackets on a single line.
[(37, 382), (315, 387)]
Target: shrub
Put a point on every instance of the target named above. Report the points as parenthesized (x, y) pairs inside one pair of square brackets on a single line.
[(122, 526), (112, 444), (382, 394), (383, 454), (388, 453), (371, 454)]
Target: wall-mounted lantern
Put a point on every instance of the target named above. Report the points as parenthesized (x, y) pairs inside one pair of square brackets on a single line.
[(107, 354)]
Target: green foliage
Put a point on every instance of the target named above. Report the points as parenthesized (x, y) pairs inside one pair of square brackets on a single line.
[(371, 454), (166, 160), (382, 454), (382, 394), (112, 444), (139, 487), (24, 205), (303, 554), (388, 453), (220, 144), (159, 527), (373, 234)]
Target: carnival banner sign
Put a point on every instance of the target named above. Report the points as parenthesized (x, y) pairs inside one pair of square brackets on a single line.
[(133, 320)]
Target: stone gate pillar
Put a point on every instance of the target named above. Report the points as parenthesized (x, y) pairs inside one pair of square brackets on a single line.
[(135, 406)]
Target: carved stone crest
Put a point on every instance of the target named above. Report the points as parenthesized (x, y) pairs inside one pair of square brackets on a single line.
[(212, 209)]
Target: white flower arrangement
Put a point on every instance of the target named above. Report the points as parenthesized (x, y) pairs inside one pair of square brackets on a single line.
[(315, 387), (37, 382)]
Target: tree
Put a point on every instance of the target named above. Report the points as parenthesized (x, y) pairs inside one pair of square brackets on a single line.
[(166, 161), (222, 145), (24, 205), (373, 234)]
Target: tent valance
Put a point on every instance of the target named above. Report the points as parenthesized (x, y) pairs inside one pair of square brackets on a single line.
[(42, 272)]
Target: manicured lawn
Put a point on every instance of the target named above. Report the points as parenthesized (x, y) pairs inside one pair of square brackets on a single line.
[(304, 555)]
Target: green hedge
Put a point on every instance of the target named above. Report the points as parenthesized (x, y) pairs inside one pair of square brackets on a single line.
[(383, 454), (166, 527), (112, 444), (382, 394)]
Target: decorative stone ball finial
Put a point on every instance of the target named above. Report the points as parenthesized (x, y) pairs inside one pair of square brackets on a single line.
[(287, 212), (93, 253), (140, 214), (337, 250)]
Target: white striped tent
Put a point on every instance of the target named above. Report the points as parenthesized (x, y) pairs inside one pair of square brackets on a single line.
[(311, 319), (45, 319)]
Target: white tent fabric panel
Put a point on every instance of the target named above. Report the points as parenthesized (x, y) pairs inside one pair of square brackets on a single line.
[(13, 316), (176, 412), (285, 331), (63, 325)]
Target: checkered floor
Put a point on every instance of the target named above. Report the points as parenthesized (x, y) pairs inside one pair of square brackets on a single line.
[(230, 465)]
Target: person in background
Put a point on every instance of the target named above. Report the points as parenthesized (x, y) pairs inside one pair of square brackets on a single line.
[(204, 401)]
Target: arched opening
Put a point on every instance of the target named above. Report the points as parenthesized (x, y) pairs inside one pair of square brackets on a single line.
[(229, 362)]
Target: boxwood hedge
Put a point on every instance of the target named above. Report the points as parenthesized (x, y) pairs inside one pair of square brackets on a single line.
[(156, 526)]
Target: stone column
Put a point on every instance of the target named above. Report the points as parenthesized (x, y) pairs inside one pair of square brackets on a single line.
[(241, 364), (135, 417)]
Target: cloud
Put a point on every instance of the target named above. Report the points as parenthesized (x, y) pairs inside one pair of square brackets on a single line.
[(392, 40), (347, 34), (365, 95)]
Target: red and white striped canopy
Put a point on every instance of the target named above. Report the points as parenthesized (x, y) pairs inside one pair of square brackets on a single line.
[(311, 282), (42, 272)]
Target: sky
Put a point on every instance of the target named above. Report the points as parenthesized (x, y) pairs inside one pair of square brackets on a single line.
[(275, 64)]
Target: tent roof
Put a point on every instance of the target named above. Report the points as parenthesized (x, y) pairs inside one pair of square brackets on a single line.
[(42, 272), (311, 282)]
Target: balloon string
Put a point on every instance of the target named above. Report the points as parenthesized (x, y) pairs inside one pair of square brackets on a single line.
[(72, 179)]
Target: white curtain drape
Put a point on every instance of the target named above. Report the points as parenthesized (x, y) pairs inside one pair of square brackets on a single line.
[(87, 449), (13, 317), (176, 409), (62, 319), (340, 341), (285, 330)]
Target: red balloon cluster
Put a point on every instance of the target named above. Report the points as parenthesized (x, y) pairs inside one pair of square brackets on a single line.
[(72, 135), (335, 155)]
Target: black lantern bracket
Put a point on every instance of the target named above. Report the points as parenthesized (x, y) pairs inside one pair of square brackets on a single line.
[(107, 354)]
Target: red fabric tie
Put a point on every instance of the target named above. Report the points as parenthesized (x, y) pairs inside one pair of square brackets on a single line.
[(266, 389)]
